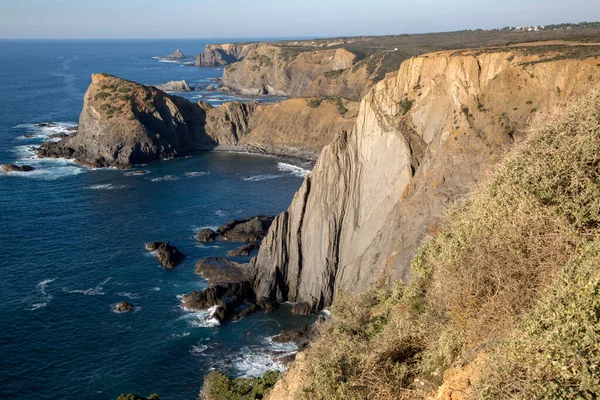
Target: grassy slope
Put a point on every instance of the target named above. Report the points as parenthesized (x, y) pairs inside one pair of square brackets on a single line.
[(510, 278)]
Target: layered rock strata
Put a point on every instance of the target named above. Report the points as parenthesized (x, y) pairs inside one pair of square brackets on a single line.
[(423, 139)]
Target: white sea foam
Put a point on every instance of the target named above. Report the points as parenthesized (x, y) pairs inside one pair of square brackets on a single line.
[(43, 298), (199, 349), (37, 131), (45, 168), (206, 246), (255, 361), (155, 289), (200, 319), (199, 228), (166, 178), (257, 178), (37, 306), (196, 174), (95, 291), (106, 186), (131, 296), (137, 172), (293, 169)]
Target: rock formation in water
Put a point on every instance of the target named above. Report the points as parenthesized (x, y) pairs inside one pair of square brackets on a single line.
[(124, 123), (169, 256), (224, 54), (124, 307), (246, 230), (16, 168), (424, 138), (177, 55), (175, 86)]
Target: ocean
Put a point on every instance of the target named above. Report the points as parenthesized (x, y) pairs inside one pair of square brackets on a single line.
[(73, 239)]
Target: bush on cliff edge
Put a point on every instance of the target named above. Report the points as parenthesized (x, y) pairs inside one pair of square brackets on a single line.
[(512, 275)]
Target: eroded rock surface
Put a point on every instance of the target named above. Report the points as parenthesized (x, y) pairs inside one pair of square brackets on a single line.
[(423, 139), (124, 123)]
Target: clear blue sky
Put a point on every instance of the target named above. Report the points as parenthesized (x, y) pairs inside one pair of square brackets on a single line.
[(275, 18)]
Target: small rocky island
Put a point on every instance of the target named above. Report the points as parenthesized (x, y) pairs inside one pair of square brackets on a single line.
[(16, 168), (124, 307), (169, 256), (124, 123), (177, 55), (175, 86)]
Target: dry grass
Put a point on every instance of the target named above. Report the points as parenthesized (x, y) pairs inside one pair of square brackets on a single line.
[(511, 272)]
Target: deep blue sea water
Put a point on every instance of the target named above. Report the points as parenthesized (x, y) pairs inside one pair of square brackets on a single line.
[(73, 239)]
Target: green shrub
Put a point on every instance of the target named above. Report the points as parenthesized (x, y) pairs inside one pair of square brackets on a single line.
[(218, 386), (131, 396), (124, 89), (314, 103), (102, 96), (334, 74), (406, 105), (340, 106)]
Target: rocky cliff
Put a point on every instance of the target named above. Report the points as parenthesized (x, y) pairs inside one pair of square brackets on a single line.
[(285, 71), (124, 123), (298, 128), (224, 54), (423, 139)]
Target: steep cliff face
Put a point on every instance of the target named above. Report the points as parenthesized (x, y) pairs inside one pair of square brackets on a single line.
[(224, 54), (124, 123), (285, 71), (423, 139), (298, 127)]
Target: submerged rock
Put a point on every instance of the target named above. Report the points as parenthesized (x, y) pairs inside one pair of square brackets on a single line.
[(168, 255), (175, 86), (124, 307), (244, 250), (17, 168)]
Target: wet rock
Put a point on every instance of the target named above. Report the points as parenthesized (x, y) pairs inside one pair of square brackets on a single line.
[(233, 300), (247, 230), (244, 250), (168, 255), (17, 168), (246, 310), (210, 88), (301, 336), (219, 270), (124, 307), (206, 235)]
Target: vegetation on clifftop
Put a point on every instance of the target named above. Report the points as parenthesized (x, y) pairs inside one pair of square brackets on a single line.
[(506, 291), (218, 386)]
